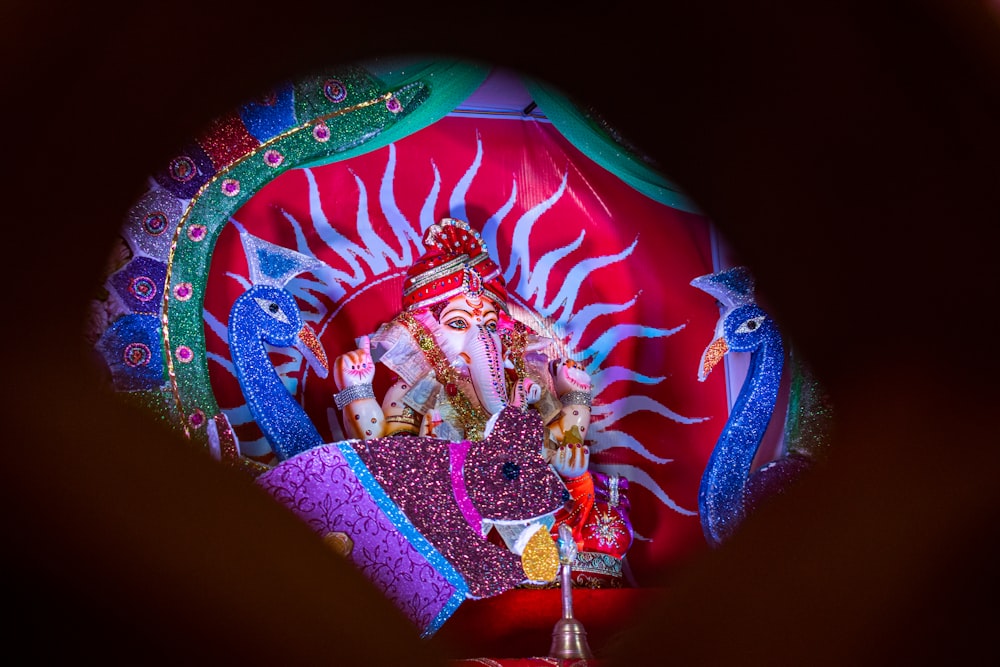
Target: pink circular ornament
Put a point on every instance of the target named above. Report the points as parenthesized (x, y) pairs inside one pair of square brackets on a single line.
[(230, 187), (197, 233), (196, 419), (183, 291), (321, 132), (273, 158)]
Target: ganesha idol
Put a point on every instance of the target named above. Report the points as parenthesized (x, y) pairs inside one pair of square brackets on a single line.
[(458, 360)]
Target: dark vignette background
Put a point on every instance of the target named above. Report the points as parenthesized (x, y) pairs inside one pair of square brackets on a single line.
[(846, 149)]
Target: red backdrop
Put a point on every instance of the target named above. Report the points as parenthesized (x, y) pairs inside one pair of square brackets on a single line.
[(601, 267)]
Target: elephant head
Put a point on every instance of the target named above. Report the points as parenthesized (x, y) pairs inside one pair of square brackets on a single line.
[(462, 290), (468, 335)]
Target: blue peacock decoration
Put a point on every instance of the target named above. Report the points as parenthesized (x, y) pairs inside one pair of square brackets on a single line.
[(268, 313), (730, 489)]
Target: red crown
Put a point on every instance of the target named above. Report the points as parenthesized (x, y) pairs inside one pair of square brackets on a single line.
[(456, 262)]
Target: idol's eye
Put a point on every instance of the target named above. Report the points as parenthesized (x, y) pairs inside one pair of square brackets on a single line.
[(458, 323), (491, 326)]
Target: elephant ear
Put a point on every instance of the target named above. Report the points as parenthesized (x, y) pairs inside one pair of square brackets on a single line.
[(506, 477)]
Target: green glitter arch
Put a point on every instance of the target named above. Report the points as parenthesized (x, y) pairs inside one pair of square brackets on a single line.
[(370, 116)]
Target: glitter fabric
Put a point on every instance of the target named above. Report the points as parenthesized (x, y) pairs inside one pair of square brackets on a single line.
[(330, 489), (151, 223), (417, 475), (269, 314), (456, 466), (131, 349), (226, 140), (270, 114), (399, 500), (186, 173), (534, 491), (745, 328), (139, 284), (193, 195)]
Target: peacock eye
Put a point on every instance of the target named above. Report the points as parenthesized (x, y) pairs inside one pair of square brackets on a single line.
[(273, 309), (751, 325)]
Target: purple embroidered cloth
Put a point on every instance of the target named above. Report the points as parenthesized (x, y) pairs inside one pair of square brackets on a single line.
[(400, 509)]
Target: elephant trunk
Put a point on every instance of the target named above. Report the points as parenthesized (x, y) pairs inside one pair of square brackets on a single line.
[(486, 370)]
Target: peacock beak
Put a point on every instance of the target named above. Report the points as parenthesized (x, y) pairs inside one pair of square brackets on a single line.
[(308, 344), (711, 356)]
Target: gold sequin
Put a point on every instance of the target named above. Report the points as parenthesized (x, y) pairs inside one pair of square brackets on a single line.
[(540, 558)]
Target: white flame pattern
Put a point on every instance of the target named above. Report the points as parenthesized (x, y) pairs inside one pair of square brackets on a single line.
[(375, 257)]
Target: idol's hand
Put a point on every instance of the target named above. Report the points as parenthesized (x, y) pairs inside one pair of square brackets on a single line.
[(569, 460), (570, 375), (355, 367)]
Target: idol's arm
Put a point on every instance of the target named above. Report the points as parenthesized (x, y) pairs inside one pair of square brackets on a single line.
[(567, 451), (353, 373)]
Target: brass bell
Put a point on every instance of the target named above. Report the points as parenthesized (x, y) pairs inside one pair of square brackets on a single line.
[(569, 637)]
